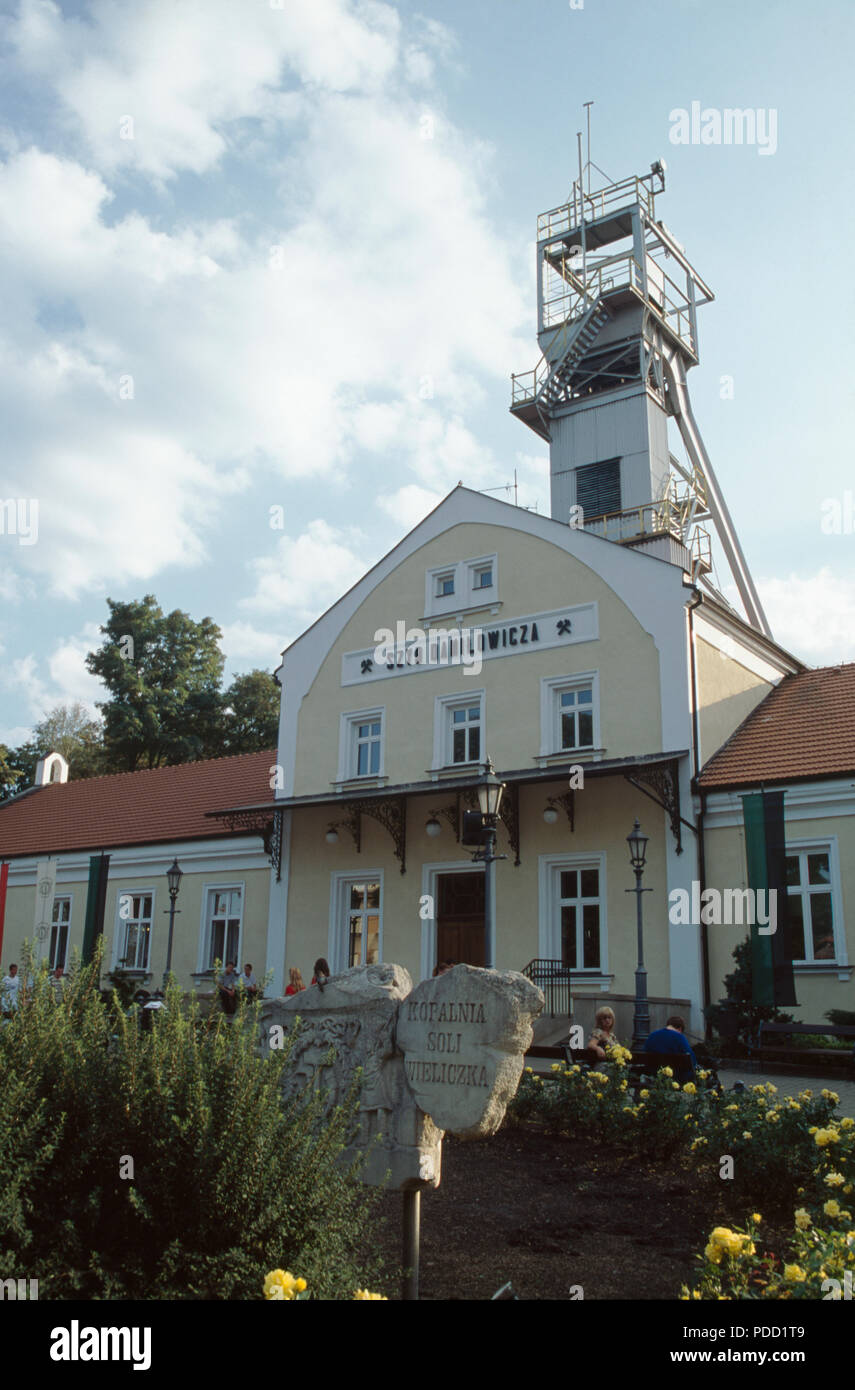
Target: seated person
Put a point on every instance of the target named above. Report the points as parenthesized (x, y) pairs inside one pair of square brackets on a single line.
[(603, 1037), (670, 1040)]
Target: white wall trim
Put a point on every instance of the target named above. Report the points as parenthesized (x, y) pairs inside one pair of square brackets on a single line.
[(548, 947), (549, 687), (194, 856), (207, 887)]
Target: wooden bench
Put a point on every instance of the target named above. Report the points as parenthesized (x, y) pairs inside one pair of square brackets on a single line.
[(833, 1056)]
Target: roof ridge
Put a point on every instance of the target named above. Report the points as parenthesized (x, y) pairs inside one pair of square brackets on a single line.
[(142, 771)]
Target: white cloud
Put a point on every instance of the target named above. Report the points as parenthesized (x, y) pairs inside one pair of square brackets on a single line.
[(243, 643), (306, 574), (408, 506), (65, 681), (812, 616)]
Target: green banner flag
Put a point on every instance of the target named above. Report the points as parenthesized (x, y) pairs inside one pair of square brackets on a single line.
[(96, 897), (771, 954)]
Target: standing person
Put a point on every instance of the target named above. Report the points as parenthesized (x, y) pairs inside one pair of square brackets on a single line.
[(321, 973), (296, 981), (9, 991), (228, 988), (249, 983)]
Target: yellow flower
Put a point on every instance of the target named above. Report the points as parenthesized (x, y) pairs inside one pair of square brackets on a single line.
[(556, 1066), (746, 1134), (732, 1107), (363, 1294), (794, 1274), (725, 1123), (528, 1069), (690, 1088), (644, 1094), (830, 1095), (847, 1123), (281, 1285), (805, 1095), (666, 1071), (771, 1116), (802, 1219), (723, 1241), (832, 1208), (824, 1137), (834, 1180), (756, 1217)]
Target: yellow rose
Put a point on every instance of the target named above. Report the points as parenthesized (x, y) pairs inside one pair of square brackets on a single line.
[(802, 1219), (830, 1095), (281, 1285), (834, 1180), (690, 1088), (644, 1094), (756, 1217), (666, 1071), (824, 1137), (832, 1208), (363, 1295), (794, 1274), (746, 1134)]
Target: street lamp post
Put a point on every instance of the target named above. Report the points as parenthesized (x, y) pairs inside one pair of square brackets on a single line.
[(173, 878), (641, 1018), (490, 790)]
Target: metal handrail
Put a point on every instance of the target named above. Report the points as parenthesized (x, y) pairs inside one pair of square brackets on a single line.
[(558, 221)]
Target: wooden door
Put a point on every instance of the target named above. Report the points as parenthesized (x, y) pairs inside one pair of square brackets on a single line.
[(460, 918)]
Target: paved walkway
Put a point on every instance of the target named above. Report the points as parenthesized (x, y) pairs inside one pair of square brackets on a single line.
[(790, 1085)]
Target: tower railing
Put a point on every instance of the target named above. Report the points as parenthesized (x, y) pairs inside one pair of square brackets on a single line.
[(591, 206)]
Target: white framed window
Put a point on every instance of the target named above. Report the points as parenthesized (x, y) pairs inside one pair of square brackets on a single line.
[(60, 924), (573, 913), (444, 585), (466, 584), (222, 923), (814, 910), (570, 714), (135, 919), (459, 730), (356, 920), (361, 744)]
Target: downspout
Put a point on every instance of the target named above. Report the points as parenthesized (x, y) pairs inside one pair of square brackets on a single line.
[(696, 750)]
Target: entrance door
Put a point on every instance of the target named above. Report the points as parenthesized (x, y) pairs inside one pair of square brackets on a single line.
[(460, 918)]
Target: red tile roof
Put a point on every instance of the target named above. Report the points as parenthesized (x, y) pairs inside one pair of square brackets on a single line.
[(133, 808), (805, 728)]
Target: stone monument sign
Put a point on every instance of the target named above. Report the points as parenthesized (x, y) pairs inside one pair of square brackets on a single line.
[(447, 1055)]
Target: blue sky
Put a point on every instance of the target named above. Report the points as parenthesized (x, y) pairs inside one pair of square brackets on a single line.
[(261, 256)]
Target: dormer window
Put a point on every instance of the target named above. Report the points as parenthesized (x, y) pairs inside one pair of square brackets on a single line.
[(462, 586)]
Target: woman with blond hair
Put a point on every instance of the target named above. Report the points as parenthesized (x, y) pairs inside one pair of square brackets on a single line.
[(603, 1036), (296, 981)]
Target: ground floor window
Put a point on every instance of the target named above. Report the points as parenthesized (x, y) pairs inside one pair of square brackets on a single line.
[(223, 913), (363, 924), (59, 932), (810, 904), (573, 911), (356, 920), (135, 923)]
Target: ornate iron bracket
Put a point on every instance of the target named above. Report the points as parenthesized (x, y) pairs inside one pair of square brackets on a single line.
[(392, 815), (664, 782), (567, 803), (268, 826), (509, 815), (352, 824)]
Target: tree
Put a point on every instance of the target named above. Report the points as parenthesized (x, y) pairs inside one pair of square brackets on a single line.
[(67, 729), (164, 673), (739, 1005), (251, 713)]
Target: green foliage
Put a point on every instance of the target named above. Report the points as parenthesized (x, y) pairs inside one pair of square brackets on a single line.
[(740, 993), (841, 1018), (228, 1182), (253, 721), (163, 672), (773, 1143)]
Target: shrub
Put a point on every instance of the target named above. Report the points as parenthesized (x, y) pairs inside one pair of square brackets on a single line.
[(814, 1264), (740, 1000), (226, 1180)]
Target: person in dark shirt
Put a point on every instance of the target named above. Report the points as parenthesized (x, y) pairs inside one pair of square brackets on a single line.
[(670, 1040)]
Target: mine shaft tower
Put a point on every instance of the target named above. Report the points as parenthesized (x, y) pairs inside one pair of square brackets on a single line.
[(617, 303)]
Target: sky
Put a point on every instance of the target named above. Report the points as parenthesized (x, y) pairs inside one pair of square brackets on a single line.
[(267, 266)]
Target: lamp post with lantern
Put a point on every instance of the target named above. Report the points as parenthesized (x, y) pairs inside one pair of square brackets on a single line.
[(173, 878), (637, 858), (490, 789)]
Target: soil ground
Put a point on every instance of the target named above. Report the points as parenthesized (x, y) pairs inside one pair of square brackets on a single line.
[(548, 1213)]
